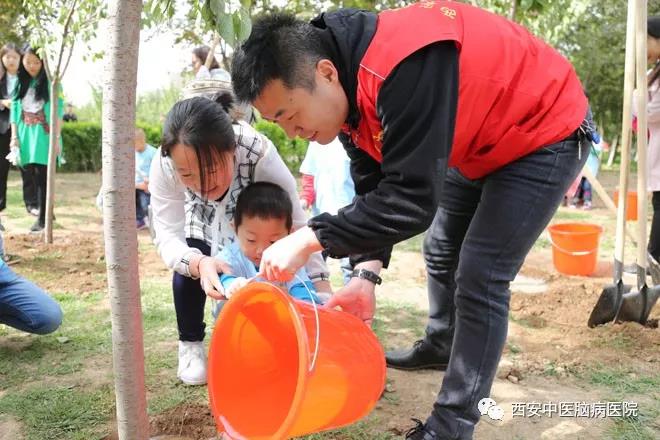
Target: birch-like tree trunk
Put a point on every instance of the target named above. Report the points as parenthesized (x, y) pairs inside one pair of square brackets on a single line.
[(121, 247), (53, 148)]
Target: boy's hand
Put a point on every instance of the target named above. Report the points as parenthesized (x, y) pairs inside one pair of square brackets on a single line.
[(237, 285), (281, 260)]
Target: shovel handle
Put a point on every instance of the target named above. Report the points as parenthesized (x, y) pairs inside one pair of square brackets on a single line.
[(628, 84), (642, 140)]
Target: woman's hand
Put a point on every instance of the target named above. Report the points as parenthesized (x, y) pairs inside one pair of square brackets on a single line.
[(14, 142), (209, 268), (286, 256)]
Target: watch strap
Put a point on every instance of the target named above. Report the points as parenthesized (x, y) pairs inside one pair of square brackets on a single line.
[(367, 275)]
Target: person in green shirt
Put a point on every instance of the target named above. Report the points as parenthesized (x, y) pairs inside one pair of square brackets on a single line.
[(30, 117)]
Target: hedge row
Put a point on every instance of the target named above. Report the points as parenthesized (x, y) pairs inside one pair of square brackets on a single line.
[(82, 144)]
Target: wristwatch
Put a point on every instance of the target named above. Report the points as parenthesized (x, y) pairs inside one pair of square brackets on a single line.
[(367, 275)]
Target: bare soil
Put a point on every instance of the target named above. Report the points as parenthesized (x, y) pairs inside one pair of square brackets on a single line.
[(549, 348)]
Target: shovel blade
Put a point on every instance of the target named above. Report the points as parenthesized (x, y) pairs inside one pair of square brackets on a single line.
[(636, 305), (607, 305)]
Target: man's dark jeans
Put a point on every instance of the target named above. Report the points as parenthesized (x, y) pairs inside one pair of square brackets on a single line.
[(476, 245)]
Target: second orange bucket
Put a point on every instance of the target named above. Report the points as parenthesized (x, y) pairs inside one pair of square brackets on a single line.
[(575, 247), (271, 377), (631, 209)]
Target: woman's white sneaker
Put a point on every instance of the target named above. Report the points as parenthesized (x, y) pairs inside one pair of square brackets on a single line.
[(192, 363)]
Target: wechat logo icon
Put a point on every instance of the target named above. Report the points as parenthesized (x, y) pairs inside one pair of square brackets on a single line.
[(488, 406)]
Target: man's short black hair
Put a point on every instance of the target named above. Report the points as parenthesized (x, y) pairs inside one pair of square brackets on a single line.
[(279, 47), (264, 200)]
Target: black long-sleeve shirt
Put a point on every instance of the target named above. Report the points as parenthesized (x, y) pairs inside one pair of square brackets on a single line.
[(398, 198)]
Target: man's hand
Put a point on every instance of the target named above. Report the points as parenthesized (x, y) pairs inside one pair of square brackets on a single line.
[(358, 298), (282, 259), (144, 186)]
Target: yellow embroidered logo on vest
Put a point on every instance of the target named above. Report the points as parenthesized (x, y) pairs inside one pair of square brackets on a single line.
[(451, 13)]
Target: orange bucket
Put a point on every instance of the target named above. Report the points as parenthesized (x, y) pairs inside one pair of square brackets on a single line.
[(631, 209), (280, 368), (575, 247)]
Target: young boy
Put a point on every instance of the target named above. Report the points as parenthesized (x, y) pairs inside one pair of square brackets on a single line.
[(263, 215), (144, 154)]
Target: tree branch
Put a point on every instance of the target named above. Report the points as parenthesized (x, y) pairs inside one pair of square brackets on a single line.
[(65, 33), (44, 60), (68, 58), (210, 56)]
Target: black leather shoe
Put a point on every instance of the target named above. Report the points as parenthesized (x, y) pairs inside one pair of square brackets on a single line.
[(36, 227), (422, 356), (421, 432)]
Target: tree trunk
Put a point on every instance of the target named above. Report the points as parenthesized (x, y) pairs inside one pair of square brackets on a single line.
[(512, 11), (120, 71), (53, 140)]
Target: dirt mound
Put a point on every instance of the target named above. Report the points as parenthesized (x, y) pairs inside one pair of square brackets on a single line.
[(187, 421), (551, 328)]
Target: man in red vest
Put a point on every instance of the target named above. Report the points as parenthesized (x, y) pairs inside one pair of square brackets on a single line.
[(457, 122)]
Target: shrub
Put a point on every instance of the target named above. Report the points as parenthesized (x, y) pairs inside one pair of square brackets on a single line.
[(291, 150), (82, 144)]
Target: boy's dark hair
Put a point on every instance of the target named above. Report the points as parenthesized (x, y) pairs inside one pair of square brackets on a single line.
[(24, 78), (279, 47), (204, 125), (264, 200)]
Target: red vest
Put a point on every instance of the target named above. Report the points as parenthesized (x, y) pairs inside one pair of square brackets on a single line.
[(516, 93)]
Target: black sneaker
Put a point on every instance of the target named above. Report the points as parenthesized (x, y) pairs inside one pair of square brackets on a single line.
[(421, 432), (36, 227), (422, 356)]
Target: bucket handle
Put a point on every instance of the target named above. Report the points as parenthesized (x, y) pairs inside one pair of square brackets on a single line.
[(573, 253), (318, 324), (316, 315)]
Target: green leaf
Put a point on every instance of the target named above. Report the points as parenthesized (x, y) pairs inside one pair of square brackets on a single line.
[(242, 24), (225, 28)]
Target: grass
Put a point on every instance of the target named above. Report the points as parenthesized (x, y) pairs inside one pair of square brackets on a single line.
[(61, 413), (623, 384), (395, 322), (364, 430)]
